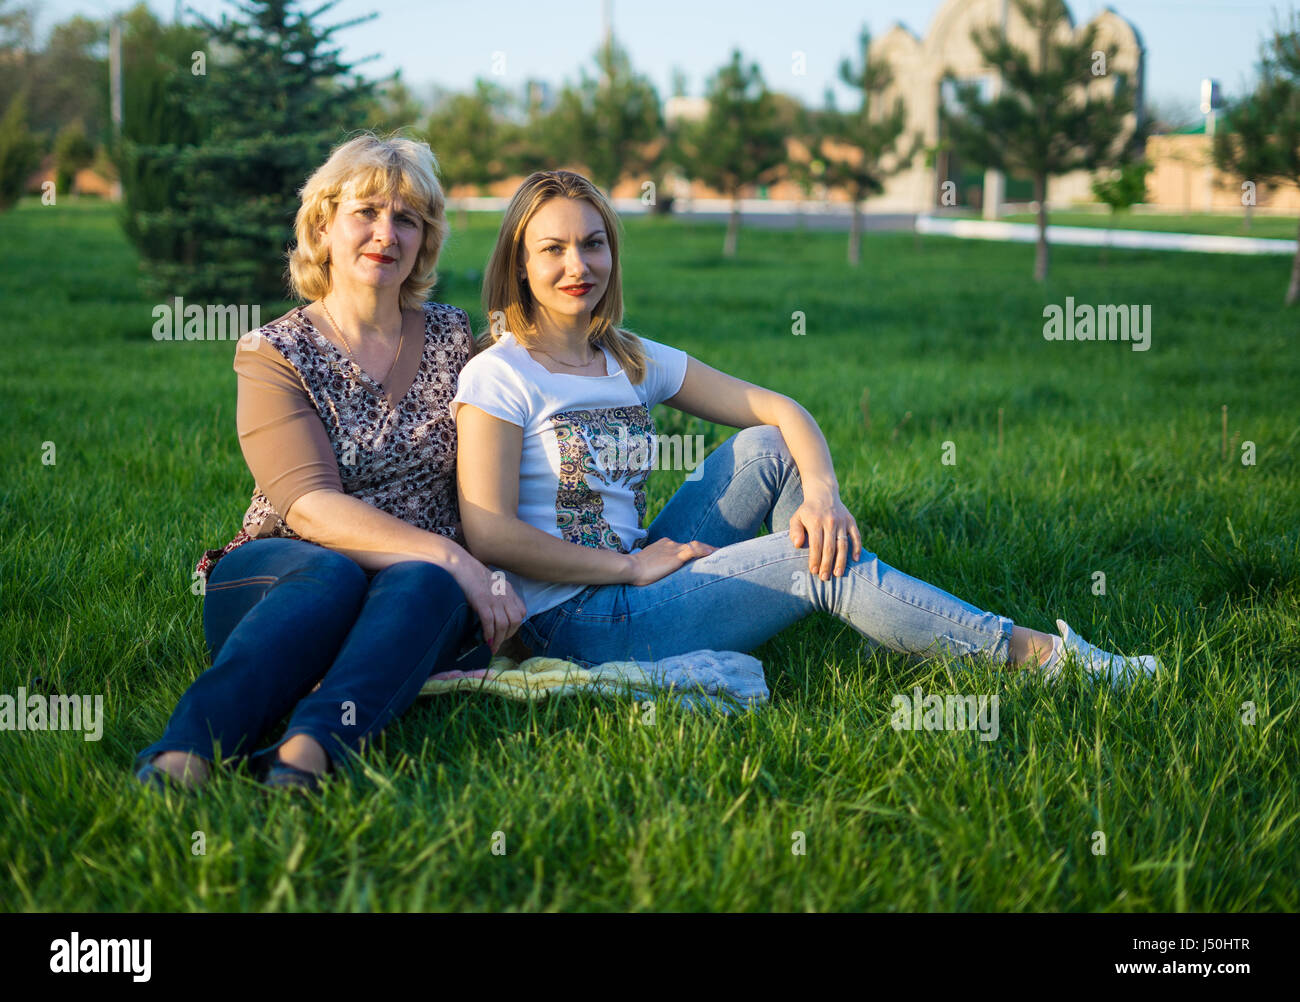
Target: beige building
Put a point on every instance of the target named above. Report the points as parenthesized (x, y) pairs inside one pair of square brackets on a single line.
[(1184, 179), (919, 66)]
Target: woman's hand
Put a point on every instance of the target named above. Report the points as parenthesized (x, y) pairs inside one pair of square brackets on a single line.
[(825, 525), (664, 556), (499, 609), (822, 522)]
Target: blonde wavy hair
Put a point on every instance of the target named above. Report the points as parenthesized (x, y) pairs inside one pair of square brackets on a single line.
[(506, 296), (365, 167)]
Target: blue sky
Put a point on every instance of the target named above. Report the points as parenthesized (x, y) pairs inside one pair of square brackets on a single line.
[(450, 42)]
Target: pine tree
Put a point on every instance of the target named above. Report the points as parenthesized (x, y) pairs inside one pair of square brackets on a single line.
[(1261, 141), (20, 151), (1124, 188), (22, 140), (73, 150), (859, 149), (1050, 117), (740, 140), (611, 123), (216, 185)]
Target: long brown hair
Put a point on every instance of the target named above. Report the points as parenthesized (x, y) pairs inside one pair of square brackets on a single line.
[(507, 302)]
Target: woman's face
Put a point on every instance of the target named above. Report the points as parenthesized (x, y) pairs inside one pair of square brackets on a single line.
[(566, 259), (372, 242)]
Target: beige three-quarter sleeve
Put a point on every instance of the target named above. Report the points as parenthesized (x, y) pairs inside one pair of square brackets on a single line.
[(282, 437)]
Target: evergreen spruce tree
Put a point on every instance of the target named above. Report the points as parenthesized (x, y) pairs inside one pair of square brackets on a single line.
[(242, 124)]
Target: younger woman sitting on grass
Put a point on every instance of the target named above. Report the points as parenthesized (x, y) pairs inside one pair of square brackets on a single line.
[(544, 497)]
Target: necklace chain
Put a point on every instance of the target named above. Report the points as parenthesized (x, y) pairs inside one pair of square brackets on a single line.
[(333, 323), (571, 365)]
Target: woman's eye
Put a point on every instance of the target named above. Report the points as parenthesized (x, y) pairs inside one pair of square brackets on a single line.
[(553, 247), (595, 242)]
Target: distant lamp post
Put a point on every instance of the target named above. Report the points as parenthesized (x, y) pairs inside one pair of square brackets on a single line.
[(1211, 102), (115, 89), (115, 73)]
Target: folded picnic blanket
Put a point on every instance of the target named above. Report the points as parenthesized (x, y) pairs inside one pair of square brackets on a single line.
[(699, 679)]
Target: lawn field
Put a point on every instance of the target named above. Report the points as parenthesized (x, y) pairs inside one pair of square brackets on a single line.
[(1110, 462)]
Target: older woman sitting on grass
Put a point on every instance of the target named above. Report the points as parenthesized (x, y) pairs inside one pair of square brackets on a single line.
[(348, 584)]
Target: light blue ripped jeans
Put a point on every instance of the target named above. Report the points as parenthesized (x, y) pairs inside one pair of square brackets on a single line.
[(751, 588)]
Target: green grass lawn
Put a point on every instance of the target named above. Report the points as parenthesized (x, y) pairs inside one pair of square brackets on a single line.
[(1217, 224), (1110, 462)]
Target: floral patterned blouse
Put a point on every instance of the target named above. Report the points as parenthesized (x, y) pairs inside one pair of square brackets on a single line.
[(334, 426)]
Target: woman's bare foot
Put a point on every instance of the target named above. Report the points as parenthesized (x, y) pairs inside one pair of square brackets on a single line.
[(1030, 648), (188, 770), (304, 752), (299, 765)]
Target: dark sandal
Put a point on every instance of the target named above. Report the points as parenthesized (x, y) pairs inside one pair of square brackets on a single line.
[(283, 776), (151, 776), (161, 780)]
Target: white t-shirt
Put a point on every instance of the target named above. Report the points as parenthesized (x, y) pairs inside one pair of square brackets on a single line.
[(588, 446)]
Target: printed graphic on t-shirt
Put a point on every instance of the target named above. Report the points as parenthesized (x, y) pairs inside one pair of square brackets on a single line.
[(611, 447)]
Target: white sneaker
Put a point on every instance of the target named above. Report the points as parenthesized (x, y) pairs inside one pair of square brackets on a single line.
[(1118, 671)]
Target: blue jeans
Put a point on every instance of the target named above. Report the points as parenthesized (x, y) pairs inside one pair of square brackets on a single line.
[(751, 588), (280, 615)]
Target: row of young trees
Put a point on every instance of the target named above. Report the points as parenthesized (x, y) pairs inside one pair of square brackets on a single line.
[(224, 120), (611, 124), (1050, 116), (267, 101)]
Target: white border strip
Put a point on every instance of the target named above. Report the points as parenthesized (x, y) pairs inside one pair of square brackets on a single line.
[(1090, 236)]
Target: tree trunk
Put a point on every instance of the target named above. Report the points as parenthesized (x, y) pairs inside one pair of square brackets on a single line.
[(1040, 256), (1293, 290), (855, 236), (733, 228)]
